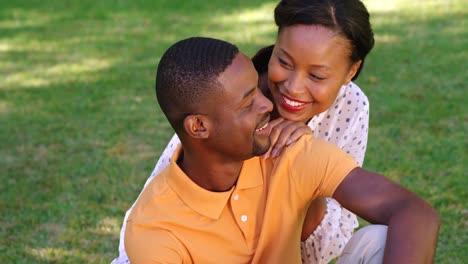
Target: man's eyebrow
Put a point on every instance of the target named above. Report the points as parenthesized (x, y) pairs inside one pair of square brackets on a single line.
[(249, 93)]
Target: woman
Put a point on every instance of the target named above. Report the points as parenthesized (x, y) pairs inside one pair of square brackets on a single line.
[(308, 73), (320, 49)]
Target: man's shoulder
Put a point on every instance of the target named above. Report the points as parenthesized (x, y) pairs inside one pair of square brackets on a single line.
[(153, 245), (159, 184), (154, 197), (311, 151), (309, 144)]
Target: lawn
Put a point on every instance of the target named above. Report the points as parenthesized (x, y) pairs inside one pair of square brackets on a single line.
[(80, 130)]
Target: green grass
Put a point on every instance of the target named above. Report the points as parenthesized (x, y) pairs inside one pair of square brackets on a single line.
[(80, 130)]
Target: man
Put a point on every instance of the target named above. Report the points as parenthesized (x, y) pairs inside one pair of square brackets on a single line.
[(219, 202)]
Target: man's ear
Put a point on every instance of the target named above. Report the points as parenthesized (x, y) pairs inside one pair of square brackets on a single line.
[(352, 71), (196, 126)]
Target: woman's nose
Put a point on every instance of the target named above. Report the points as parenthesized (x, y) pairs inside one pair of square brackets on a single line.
[(295, 83)]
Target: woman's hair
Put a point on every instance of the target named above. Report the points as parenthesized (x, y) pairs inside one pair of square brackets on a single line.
[(348, 18), (261, 58)]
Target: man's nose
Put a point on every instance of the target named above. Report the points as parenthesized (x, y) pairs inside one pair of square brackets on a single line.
[(265, 105)]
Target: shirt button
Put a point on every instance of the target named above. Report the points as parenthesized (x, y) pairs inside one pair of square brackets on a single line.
[(236, 197), (244, 218)]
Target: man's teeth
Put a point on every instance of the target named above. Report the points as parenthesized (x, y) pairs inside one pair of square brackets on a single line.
[(292, 103), (263, 127)]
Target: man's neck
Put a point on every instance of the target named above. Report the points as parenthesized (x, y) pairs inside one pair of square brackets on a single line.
[(208, 172)]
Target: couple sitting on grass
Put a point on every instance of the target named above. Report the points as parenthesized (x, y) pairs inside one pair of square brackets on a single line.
[(218, 201), (215, 200)]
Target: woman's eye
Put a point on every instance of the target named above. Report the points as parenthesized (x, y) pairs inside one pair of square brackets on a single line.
[(316, 77), (283, 62)]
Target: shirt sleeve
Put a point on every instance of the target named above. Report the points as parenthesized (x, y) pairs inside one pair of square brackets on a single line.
[(318, 167), (153, 246)]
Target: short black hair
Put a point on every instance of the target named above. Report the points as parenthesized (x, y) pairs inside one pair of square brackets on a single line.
[(349, 18), (187, 72)]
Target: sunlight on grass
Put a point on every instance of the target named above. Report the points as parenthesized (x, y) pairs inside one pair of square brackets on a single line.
[(4, 47), (86, 65), (47, 55), (4, 106), (387, 13), (416, 7), (40, 77), (260, 14), (19, 18), (385, 38), (108, 226), (54, 254), (21, 43), (380, 5), (254, 25)]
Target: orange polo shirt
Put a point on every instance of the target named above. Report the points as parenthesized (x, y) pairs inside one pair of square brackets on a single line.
[(258, 221)]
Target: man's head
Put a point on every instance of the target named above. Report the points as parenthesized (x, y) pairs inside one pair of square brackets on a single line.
[(208, 91)]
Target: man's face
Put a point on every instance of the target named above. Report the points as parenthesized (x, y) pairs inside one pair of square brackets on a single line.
[(240, 113)]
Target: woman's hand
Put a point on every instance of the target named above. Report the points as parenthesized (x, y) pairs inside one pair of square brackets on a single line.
[(283, 133)]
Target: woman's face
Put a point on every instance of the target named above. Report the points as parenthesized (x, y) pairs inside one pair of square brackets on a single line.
[(308, 66)]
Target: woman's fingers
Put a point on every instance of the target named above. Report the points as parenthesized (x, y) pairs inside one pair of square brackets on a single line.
[(283, 133), (298, 133), (274, 133)]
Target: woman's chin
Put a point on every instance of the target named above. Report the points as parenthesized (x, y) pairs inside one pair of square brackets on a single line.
[(293, 116)]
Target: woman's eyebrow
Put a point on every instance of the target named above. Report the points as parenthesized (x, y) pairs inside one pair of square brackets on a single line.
[(312, 65)]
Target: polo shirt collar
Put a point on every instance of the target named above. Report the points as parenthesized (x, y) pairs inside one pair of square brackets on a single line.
[(251, 174), (204, 202)]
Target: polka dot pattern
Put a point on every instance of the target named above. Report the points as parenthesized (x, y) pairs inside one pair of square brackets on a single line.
[(328, 239), (347, 118), (344, 124)]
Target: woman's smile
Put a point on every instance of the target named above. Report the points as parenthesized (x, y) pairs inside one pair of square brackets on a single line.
[(293, 105)]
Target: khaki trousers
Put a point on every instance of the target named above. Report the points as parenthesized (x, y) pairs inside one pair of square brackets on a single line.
[(366, 246)]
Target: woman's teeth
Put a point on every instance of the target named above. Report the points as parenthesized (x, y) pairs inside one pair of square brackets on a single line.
[(263, 127), (292, 103)]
